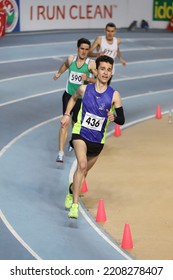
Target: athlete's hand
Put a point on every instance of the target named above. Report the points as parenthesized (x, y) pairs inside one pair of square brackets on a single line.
[(84, 77), (56, 75), (101, 53), (110, 115), (123, 62), (65, 121)]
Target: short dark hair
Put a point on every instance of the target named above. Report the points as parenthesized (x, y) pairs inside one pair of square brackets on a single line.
[(111, 24), (104, 58), (83, 41)]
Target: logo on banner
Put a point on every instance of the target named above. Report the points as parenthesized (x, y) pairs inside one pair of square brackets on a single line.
[(162, 10), (12, 14)]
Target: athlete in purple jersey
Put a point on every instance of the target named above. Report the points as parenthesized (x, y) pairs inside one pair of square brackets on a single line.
[(99, 102)]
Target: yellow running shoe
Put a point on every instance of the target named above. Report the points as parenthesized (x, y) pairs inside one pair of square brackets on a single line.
[(73, 213), (69, 198)]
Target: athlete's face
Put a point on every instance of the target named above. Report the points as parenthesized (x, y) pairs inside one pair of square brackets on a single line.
[(83, 51), (110, 33), (104, 72)]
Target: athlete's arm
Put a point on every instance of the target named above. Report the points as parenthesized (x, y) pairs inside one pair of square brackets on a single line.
[(63, 67), (119, 117), (95, 45), (123, 62), (92, 69), (65, 120)]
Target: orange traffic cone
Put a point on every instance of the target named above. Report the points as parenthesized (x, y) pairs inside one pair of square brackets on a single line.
[(101, 214), (84, 187), (127, 242), (117, 131), (158, 112)]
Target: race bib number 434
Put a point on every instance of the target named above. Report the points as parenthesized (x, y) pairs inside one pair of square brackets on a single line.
[(92, 121)]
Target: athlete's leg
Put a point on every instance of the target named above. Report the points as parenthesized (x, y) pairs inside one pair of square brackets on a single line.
[(80, 149), (90, 162), (74, 118), (63, 131), (84, 164)]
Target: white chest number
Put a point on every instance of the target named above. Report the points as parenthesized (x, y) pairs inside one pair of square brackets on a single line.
[(111, 53), (75, 78), (92, 121)]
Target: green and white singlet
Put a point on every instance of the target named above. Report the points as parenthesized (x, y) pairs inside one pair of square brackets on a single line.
[(75, 75)]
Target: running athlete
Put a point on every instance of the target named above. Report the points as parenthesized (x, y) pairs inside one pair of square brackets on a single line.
[(80, 70), (108, 45), (99, 102)]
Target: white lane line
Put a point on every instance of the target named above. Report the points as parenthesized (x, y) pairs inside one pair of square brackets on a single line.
[(31, 96), (33, 58), (5, 148), (15, 234), (148, 94), (114, 80), (117, 64), (118, 79), (65, 55), (74, 42), (38, 45), (142, 77), (27, 76)]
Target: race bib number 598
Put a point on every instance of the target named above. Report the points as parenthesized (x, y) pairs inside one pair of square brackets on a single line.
[(92, 121)]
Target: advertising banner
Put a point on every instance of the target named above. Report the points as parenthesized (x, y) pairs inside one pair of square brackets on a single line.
[(67, 14), (170, 24), (2, 22), (162, 10), (11, 7)]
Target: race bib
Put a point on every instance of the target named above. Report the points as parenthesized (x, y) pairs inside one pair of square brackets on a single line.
[(75, 78), (92, 121), (110, 53)]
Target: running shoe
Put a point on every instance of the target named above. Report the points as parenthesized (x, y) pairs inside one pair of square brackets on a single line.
[(69, 198), (70, 148), (73, 213), (60, 157)]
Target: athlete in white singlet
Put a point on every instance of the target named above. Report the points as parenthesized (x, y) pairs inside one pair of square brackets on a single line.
[(108, 45)]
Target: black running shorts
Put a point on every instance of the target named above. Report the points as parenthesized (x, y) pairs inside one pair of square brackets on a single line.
[(93, 149)]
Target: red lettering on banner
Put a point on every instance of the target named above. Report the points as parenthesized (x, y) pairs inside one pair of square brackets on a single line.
[(60, 12), (89, 11), (71, 12), (108, 12), (50, 13), (55, 12), (80, 13), (41, 12), (98, 11)]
